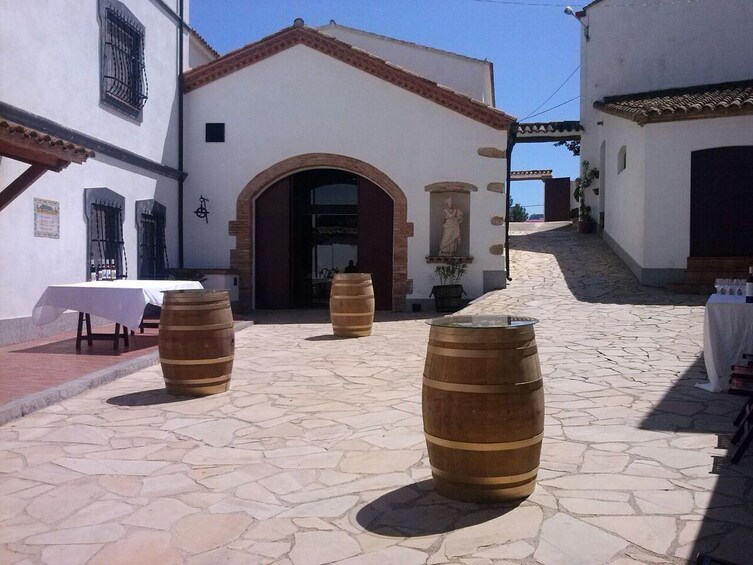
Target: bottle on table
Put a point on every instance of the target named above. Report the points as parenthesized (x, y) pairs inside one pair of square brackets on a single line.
[(92, 272), (749, 286)]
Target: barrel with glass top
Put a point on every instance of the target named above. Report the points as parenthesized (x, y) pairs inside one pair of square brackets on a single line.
[(483, 407)]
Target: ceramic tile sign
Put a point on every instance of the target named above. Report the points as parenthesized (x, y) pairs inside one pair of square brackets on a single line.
[(46, 218)]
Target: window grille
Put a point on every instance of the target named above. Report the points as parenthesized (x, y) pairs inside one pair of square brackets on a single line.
[(152, 261), (124, 84), (104, 211)]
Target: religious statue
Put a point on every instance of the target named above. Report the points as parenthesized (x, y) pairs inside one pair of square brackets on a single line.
[(452, 218)]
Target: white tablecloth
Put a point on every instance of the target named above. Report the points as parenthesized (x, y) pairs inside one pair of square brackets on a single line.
[(120, 301), (727, 334)]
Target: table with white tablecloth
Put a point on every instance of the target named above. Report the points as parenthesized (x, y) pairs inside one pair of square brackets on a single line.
[(727, 334), (121, 301)]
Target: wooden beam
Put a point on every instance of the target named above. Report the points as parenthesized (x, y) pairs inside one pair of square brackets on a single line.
[(24, 181), (32, 156)]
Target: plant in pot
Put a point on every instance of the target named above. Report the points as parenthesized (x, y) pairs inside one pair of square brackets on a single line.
[(574, 216), (449, 292), (581, 184)]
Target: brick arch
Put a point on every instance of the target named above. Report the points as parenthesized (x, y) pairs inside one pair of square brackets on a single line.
[(242, 228)]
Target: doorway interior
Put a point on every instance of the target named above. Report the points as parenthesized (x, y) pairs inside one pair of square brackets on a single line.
[(313, 224)]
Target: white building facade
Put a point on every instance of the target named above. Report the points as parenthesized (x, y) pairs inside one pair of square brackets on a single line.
[(97, 80), (665, 97), (300, 105)]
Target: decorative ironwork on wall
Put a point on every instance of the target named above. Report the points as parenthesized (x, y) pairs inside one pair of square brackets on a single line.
[(202, 211), (104, 213), (152, 255), (124, 83)]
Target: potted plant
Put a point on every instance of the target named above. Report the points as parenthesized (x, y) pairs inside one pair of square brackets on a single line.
[(449, 292), (581, 184), (574, 216)]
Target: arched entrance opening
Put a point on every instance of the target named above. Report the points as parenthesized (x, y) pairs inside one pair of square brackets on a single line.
[(307, 217)]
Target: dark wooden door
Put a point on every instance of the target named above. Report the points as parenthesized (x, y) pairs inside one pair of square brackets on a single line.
[(721, 202), (557, 199), (272, 243), (375, 240)]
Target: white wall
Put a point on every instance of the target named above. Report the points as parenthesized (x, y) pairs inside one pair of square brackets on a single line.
[(462, 74), (664, 45), (668, 156), (301, 101), (625, 191), (49, 58)]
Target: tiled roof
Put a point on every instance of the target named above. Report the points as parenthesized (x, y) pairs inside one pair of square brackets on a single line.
[(202, 41), (302, 35), (536, 174), (695, 102), (533, 128), (22, 141)]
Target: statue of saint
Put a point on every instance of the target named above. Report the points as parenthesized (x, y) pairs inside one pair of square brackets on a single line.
[(452, 218)]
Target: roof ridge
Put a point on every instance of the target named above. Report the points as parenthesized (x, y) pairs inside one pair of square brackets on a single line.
[(404, 42), (349, 54)]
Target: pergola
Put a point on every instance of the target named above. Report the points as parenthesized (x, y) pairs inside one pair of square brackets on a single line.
[(41, 151)]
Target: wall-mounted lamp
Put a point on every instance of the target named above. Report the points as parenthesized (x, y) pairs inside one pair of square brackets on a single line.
[(570, 12)]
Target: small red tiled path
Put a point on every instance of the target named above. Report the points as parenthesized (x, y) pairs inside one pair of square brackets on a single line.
[(34, 366)]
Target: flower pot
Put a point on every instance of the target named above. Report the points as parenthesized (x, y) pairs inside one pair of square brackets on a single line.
[(584, 226), (447, 297)]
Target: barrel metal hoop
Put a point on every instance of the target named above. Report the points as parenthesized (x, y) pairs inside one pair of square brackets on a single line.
[(351, 328), (221, 326), (352, 314), (357, 297), (206, 382), (475, 480), (180, 306), (485, 446), (529, 386), (196, 361), (480, 353)]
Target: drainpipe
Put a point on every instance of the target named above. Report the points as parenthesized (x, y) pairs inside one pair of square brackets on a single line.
[(511, 135), (180, 136)]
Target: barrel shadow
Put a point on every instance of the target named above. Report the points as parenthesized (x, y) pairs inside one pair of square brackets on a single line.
[(146, 398), (326, 337), (417, 510)]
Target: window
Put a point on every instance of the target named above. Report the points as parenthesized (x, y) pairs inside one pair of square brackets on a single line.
[(123, 84), (215, 133), (621, 159), (104, 213), (152, 260)]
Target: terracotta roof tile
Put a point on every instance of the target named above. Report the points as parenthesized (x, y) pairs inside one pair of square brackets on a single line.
[(532, 128), (20, 136), (694, 102)]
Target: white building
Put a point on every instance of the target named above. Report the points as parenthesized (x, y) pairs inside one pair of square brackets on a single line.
[(99, 152), (90, 89), (672, 139), (312, 150)]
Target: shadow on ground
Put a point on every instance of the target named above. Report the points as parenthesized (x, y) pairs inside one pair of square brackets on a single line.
[(103, 347), (727, 527), (151, 397), (592, 271), (416, 510)]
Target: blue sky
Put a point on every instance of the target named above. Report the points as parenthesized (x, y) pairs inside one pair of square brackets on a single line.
[(533, 45)]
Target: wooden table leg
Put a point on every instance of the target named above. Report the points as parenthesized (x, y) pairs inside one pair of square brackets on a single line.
[(117, 337), (125, 337), (78, 329), (89, 329)]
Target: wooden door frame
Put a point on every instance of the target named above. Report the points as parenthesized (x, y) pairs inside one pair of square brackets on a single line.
[(243, 229)]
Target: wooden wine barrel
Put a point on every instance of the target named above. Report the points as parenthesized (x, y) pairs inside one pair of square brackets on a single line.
[(483, 407), (196, 342), (351, 304)]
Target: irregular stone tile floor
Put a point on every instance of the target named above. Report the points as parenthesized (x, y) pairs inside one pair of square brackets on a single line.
[(316, 455)]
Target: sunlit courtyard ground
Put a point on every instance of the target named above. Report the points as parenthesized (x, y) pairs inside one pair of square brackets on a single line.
[(317, 453)]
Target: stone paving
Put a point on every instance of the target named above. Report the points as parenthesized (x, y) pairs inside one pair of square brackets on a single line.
[(317, 455)]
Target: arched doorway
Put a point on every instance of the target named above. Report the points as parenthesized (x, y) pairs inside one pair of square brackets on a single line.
[(308, 215)]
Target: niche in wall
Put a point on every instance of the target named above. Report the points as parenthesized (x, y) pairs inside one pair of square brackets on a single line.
[(449, 202)]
